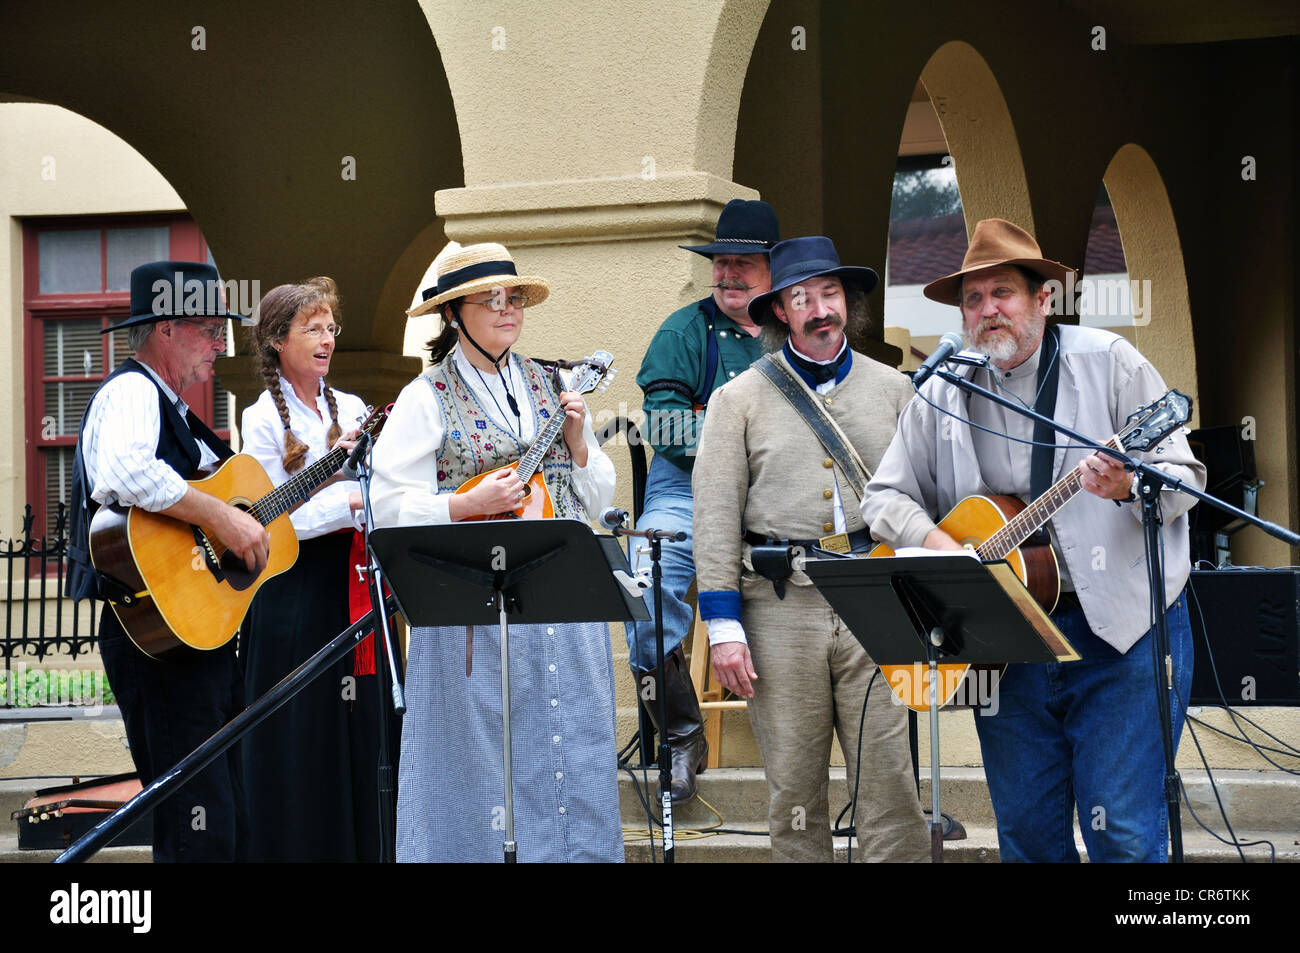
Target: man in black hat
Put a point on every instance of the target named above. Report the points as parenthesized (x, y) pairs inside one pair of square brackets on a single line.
[(698, 349), (138, 445), (783, 462)]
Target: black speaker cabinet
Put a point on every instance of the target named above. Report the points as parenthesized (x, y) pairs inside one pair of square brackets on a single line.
[(1253, 620)]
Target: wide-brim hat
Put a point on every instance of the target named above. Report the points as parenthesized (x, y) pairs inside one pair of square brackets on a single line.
[(163, 290), (799, 259), (996, 242), (466, 270), (744, 228)]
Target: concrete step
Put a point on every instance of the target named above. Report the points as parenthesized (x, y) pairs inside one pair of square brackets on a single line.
[(10, 854), (979, 847), (1260, 805)]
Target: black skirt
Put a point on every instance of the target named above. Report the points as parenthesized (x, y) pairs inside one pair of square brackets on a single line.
[(310, 769)]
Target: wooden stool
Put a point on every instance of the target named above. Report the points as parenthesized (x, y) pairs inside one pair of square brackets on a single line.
[(708, 691)]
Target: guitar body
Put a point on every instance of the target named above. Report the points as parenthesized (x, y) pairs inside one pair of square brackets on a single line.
[(185, 599), (537, 503), (970, 523)]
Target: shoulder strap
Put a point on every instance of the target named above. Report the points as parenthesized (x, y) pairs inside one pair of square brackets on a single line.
[(711, 360), (814, 415), (1044, 450)]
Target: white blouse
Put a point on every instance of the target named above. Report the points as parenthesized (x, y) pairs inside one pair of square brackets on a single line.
[(262, 433), (405, 487)]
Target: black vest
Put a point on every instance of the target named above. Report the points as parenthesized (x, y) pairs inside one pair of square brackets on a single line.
[(177, 447)]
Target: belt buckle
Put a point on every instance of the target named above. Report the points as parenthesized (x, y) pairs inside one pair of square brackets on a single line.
[(835, 543)]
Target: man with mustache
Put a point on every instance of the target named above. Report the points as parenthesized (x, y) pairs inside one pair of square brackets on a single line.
[(766, 481), (698, 349), (1061, 734)]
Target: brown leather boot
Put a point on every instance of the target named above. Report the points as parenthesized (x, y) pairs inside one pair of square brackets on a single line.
[(685, 734)]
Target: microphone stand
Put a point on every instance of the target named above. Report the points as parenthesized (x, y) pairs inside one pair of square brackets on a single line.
[(359, 461), (1151, 482), (656, 537)]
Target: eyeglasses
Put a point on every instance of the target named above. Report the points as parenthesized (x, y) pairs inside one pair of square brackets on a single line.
[(316, 330), (498, 302), (213, 332)]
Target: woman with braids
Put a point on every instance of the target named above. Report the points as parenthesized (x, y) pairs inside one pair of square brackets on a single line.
[(310, 768), (479, 408)]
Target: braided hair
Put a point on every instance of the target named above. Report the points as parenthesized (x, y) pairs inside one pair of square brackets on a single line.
[(276, 313)]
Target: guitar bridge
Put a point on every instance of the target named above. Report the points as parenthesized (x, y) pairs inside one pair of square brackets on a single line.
[(209, 554)]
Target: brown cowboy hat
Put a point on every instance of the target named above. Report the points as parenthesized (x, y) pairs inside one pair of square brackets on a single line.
[(996, 242)]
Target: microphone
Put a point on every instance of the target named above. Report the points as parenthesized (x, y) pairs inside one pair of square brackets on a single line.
[(612, 518), (356, 456), (949, 345)]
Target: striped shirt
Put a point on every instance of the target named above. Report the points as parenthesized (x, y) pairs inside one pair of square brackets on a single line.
[(120, 443)]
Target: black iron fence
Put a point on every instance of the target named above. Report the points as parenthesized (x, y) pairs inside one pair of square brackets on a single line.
[(38, 620)]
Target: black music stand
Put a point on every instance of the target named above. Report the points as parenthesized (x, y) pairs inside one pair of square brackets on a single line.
[(943, 608), (495, 571)]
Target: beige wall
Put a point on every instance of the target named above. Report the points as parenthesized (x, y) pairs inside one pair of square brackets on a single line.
[(93, 173)]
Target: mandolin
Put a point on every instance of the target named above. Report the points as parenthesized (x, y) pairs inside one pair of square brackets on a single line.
[(187, 591), (594, 372), (997, 528)]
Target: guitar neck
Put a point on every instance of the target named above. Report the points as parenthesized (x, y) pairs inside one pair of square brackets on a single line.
[(1025, 523), (298, 488)]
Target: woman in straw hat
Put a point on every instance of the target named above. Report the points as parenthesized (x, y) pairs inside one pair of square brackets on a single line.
[(309, 769), (478, 408)]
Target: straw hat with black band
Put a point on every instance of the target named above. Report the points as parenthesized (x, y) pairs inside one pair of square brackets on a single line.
[(469, 269), (996, 243)]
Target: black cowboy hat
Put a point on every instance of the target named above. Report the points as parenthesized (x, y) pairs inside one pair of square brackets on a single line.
[(162, 290), (744, 228), (799, 259)]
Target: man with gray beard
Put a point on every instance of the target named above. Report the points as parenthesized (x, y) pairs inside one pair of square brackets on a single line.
[(1082, 733)]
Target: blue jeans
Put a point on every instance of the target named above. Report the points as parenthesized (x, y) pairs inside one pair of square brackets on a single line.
[(668, 506), (1085, 733)]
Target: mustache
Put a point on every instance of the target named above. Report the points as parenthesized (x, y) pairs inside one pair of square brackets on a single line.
[(732, 285)]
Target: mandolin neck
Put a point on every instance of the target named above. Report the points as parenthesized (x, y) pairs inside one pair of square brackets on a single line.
[(531, 461), (1025, 523)]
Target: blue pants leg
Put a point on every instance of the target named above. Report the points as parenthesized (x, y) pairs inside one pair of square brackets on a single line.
[(1084, 734), (668, 506)]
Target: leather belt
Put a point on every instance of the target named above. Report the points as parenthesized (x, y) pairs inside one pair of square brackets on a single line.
[(855, 542)]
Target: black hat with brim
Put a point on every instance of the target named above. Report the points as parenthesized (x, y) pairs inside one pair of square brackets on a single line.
[(744, 228), (800, 259), (163, 290)]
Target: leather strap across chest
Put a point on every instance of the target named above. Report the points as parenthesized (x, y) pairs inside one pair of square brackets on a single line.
[(823, 426)]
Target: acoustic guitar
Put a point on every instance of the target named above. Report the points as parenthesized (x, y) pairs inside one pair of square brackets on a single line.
[(593, 373), (996, 527), (187, 590)]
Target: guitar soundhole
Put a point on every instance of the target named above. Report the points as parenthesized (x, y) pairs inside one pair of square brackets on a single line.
[(528, 492)]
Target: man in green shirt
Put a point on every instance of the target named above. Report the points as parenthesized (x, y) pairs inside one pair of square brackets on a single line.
[(697, 350)]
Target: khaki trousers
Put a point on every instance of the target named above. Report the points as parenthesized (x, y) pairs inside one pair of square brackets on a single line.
[(812, 678)]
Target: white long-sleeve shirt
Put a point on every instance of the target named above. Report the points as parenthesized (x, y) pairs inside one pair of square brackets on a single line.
[(405, 488), (263, 435), (120, 443)]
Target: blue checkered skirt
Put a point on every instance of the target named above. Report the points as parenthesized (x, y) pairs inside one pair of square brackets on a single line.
[(451, 792)]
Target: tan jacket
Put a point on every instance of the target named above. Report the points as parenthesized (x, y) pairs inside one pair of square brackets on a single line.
[(760, 468)]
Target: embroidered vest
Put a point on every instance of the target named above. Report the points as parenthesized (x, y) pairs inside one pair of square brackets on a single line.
[(474, 443)]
